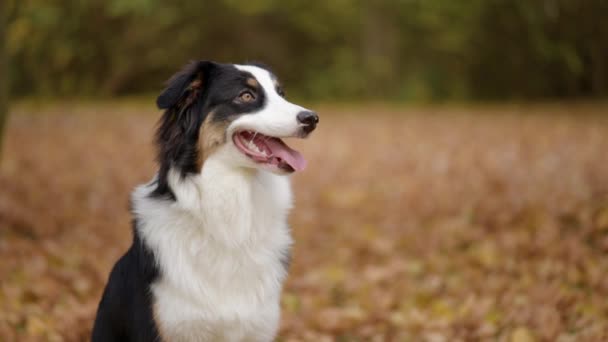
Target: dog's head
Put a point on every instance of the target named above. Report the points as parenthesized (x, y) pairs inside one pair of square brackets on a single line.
[(233, 113)]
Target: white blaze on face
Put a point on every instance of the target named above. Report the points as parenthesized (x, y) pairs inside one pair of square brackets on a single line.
[(278, 117)]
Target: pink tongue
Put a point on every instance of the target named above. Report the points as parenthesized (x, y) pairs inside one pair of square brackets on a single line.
[(281, 150)]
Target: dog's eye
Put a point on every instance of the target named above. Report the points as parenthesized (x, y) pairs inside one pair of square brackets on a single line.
[(246, 96)]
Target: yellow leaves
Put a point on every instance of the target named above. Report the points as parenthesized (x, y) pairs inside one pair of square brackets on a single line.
[(82, 286), (441, 309), (340, 319), (601, 219), (493, 317), (291, 302), (345, 198), (522, 334), (397, 318), (390, 243), (485, 254), (35, 326), (40, 328), (414, 267), (334, 274)]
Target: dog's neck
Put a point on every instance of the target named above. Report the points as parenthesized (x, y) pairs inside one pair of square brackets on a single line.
[(234, 205), (221, 244)]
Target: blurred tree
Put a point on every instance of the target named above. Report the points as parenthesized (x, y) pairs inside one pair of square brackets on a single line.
[(339, 49), (540, 49), (3, 73)]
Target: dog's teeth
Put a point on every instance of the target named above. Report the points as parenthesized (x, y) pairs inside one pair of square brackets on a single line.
[(253, 147)]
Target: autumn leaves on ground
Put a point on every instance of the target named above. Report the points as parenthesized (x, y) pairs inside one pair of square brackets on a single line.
[(431, 224)]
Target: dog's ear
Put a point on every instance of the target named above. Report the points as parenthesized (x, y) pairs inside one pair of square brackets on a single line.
[(185, 85)]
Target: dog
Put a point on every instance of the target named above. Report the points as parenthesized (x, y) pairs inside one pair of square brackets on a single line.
[(211, 243)]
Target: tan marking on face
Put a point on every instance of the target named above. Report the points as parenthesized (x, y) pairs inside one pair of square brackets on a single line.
[(211, 136), (195, 87), (253, 82), (196, 84)]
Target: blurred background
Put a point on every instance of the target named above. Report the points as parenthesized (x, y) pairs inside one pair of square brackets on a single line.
[(457, 187), (338, 50)]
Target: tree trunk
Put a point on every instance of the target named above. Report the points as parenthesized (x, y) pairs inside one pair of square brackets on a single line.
[(3, 72)]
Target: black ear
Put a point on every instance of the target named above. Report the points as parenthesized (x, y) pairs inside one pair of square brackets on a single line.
[(188, 81)]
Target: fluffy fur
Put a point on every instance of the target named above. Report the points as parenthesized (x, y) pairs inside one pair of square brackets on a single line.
[(211, 240)]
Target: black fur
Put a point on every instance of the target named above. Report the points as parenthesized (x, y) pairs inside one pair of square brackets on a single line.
[(178, 132), (125, 311)]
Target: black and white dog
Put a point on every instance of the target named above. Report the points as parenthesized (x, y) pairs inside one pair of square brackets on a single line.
[(211, 242)]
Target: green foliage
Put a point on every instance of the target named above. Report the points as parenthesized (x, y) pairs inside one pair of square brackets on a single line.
[(3, 75), (342, 49)]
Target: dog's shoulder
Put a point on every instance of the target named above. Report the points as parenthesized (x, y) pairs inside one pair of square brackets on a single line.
[(127, 295)]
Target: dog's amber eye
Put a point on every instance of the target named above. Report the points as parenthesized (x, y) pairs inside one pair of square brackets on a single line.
[(246, 96)]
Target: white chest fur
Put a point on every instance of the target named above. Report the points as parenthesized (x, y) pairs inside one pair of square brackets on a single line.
[(219, 247)]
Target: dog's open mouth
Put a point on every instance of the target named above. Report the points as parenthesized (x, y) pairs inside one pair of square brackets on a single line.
[(269, 150)]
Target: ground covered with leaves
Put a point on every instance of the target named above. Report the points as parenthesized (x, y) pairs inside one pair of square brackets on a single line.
[(432, 224)]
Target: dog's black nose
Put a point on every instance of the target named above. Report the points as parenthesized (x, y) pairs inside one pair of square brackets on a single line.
[(309, 120)]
